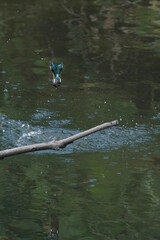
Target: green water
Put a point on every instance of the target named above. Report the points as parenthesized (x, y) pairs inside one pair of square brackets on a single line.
[(105, 186)]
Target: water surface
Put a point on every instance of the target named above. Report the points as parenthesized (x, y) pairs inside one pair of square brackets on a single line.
[(105, 186)]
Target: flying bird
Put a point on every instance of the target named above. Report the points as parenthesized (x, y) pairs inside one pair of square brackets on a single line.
[(56, 70)]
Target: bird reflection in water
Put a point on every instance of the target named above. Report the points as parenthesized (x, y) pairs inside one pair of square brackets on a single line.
[(54, 225)]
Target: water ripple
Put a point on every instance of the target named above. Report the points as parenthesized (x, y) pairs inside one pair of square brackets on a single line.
[(17, 133)]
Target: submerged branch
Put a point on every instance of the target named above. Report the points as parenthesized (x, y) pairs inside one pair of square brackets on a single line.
[(54, 145)]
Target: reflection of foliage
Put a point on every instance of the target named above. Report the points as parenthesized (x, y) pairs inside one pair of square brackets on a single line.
[(94, 201), (112, 36), (92, 195), (104, 39), (155, 46), (140, 198)]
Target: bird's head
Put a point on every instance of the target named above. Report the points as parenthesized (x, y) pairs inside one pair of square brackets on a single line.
[(57, 81)]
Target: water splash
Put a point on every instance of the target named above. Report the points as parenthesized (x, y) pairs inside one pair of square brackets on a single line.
[(17, 133)]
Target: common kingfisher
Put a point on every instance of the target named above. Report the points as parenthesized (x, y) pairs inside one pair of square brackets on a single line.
[(56, 70)]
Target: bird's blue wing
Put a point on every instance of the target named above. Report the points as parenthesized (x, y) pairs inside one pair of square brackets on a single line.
[(53, 68), (59, 68)]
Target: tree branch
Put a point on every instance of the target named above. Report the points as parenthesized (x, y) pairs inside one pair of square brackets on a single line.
[(54, 145)]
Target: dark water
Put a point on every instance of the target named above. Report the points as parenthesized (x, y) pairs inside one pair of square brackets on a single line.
[(105, 186)]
